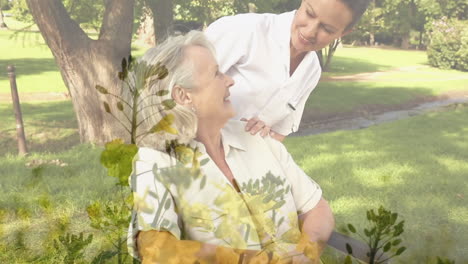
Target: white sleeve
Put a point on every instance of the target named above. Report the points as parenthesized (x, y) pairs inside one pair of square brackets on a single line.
[(231, 38), (306, 192)]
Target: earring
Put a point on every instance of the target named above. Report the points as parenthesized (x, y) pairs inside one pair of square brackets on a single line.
[(193, 109)]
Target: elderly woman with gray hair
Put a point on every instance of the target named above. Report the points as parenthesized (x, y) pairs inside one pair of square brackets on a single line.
[(204, 189)]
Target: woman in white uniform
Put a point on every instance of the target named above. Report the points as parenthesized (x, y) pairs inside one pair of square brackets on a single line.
[(218, 195), (272, 60)]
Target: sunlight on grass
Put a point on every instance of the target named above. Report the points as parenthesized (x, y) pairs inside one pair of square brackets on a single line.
[(349, 205), (416, 167), (344, 96), (36, 70), (453, 164), (17, 25), (57, 196), (458, 214), (349, 60), (383, 176)]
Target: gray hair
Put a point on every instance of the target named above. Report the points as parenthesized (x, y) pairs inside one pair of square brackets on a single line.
[(171, 54)]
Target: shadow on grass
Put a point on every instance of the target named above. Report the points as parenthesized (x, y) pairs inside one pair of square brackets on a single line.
[(49, 127), (344, 98), (28, 66), (341, 65), (415, 167)]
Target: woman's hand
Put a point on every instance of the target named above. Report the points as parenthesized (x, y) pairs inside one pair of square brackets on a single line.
[(255, 125), (277, 136)]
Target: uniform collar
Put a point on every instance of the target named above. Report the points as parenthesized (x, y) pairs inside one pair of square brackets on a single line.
[(283, 23), (231, 136)]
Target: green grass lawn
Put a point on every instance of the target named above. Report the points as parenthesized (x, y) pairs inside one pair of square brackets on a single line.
[(343, 96), (49, 127), (351, 60), (35, 66), (46, 193), (417, 167), (39, 203)]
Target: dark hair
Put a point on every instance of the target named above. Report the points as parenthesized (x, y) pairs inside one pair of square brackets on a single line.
[(357, 7)]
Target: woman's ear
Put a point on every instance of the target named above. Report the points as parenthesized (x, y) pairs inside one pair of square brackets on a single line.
[(181, 96)]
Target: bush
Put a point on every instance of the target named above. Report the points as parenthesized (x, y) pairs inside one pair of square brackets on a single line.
[(448, 46)]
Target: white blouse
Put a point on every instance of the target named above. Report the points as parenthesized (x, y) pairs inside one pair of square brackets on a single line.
[(172, 195), (254, 50)]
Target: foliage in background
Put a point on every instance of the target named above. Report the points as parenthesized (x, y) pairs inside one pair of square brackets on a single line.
[(274, 6), (436, 9), (87, 13), (393, 22), (403, 22), (21, 12), (203, 12), (448, 47)]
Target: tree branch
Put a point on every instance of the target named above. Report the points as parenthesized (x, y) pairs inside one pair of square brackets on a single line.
[(117, 24), (60, 32)]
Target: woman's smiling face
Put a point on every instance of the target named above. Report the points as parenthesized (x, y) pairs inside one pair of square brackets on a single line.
[(210, 95), (317, 23)]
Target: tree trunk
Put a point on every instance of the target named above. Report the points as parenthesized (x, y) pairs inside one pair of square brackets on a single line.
[(85, 63), (163, 17), (372, 26), (331, 51), (2, 22), (420, 46), (371, 38), (405, 41), (325, 59)]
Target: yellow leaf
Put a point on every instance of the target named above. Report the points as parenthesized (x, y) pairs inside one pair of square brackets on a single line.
[(311, 250), (184, 154), (301, 245), (165, 125)]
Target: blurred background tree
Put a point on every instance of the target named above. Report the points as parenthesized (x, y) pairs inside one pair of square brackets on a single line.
[(403, 23), (399, 23), (406, 24)]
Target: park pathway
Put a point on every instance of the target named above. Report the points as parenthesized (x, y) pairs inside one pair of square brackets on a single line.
[(364, 117), (389, 75), (359, 122)]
